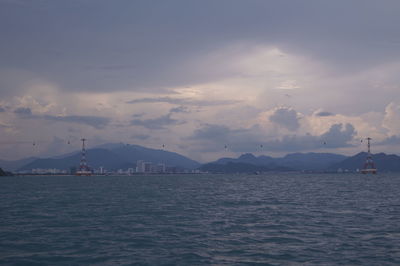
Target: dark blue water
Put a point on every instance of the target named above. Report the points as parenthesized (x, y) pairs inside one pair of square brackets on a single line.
[(197, 220)]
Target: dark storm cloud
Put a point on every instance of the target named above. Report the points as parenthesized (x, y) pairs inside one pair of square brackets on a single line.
[(144, 45), (324, 113), (157, 123), (181, 101), (286, 117), (23, 111), (214, 137)]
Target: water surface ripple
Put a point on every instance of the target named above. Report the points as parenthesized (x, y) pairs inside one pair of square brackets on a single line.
[(275, 219)]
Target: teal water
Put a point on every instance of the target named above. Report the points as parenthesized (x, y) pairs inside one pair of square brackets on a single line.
[(201, 219)]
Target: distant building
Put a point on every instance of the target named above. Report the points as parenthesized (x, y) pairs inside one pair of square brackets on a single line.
[(144, 167), (140, 166), (161, 168), (51, 171), (149, 167)]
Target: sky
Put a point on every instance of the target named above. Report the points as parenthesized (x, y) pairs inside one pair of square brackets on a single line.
[(206, 79)]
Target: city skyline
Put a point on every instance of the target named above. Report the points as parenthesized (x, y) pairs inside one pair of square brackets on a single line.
[(205, 79)]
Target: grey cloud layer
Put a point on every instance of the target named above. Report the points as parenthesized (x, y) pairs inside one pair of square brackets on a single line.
[(214, 137), (62, 48), (181, 101), (324, 113), (147, 46), (286, 117), (392, 140), (23, 111), (157, 123), (97, 122)]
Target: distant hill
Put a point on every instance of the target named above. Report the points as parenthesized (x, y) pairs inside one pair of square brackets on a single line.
[(297, 161), (310, 161), (247, 158), (383, 162), (95, 157), (136, 152), (3, 173), (14, 165), (232, 167), (114, 157)]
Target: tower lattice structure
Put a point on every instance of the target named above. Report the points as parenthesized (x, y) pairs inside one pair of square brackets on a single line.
[(83, 166), (369, 165)]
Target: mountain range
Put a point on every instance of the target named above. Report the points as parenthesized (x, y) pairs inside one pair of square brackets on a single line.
[(326, 162), (113, 157), (116, 156), (383, 162), (296, 161)]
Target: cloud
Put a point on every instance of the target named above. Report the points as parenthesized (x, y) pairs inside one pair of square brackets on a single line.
[(213, 132), (157, 123), (2, 109), (182, 101), (97, 122), (5, 126), (179, 109), (392, 118), (324, 113), (288, 85), (213, 137), (138, 115), (285, 117), (339, 135), (23, 111), (194, 61), (392, 140), (163, 50), (113, 67), (140, 137)]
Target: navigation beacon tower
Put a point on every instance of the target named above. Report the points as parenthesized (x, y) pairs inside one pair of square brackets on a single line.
[(84, 169), (369, 166)]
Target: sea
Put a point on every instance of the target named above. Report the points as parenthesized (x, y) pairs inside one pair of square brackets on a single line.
[(271, 219)]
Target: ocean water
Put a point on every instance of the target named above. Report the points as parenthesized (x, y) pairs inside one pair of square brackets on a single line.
[(276, 219)]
